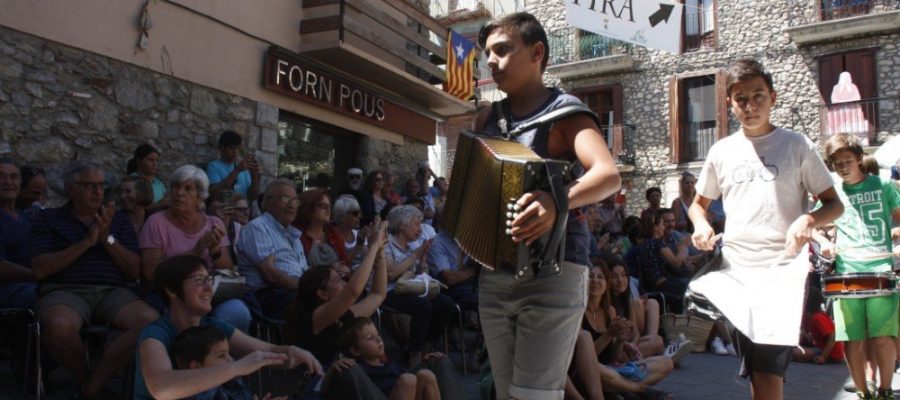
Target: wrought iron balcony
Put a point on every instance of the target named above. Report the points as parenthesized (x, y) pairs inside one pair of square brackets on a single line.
[(583, 53), (869, 118), (566, 47), (813, 21)]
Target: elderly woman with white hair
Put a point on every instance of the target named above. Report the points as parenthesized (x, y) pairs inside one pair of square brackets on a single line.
[(428, 316), (345, 217), (183, 228)]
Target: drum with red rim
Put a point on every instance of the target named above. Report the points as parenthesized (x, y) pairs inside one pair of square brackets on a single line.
[(858, 285)]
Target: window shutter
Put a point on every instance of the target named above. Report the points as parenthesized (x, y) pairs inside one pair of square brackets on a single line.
[(861, 65), (830, 67), (675, 119)]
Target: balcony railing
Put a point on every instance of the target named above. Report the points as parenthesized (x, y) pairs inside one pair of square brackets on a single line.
[(442, 8), (803, 12), (567, 47), (865, 118), (615, 136)]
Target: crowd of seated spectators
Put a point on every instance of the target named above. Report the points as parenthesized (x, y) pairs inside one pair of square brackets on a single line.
[(142, 256), (148, 254)]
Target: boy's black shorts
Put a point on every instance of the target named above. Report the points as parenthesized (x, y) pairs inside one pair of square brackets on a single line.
[(755, 357)]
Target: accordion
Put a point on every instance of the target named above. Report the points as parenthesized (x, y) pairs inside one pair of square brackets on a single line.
[(488, 174)]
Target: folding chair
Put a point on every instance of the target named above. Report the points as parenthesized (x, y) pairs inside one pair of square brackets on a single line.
[(33, 382)]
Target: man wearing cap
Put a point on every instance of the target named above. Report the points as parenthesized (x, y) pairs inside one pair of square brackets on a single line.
[(363, 197)]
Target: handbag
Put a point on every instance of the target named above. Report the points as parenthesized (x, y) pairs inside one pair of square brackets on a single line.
[(227, 285), (422, 285), (695, 329)]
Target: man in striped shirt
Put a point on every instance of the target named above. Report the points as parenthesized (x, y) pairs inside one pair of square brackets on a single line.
[(269, 251), (83, 254)]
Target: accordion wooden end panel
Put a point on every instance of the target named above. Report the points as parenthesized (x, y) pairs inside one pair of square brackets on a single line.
[(487, 174)]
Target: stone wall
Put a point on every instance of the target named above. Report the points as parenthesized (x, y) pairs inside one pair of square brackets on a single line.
[(744, 29), (58, 103), (401, 161)]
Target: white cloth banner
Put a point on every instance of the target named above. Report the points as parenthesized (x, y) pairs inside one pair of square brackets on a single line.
[(764, 303)]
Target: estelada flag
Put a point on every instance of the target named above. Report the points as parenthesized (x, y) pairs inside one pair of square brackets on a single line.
[(460, 66)]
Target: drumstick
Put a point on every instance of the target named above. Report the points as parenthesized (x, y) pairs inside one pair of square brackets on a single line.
[(864, 256)]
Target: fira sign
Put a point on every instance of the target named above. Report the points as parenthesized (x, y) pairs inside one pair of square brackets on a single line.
[(654, 24)]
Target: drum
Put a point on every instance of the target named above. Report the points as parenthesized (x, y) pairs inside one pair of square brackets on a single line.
[(822, 264), (858, 285)]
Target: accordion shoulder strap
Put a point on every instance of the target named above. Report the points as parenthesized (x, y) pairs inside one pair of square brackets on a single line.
[(502, 121), (548, 118), (555, 249)]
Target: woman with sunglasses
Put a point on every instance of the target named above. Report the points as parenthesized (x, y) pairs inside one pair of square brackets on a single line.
[(346, 216), (376, 184), (321, 242), (327, 298)]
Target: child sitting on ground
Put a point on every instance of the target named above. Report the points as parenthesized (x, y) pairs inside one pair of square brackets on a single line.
[(361, 340), (204, 347), (817, 342)]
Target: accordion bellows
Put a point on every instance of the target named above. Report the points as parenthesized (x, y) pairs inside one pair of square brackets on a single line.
[(488, 174)]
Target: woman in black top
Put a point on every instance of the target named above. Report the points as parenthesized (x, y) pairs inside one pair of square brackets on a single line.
[(327, 297), (603, 342)]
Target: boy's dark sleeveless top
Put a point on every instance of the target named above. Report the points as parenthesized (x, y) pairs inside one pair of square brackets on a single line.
[(537, 139)]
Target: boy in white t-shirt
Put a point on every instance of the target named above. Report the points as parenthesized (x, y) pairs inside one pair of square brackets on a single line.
[(764, 175)]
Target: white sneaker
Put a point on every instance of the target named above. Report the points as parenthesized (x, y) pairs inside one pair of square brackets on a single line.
[(678, 350), (718, 347), (731, 349), (680, 338)]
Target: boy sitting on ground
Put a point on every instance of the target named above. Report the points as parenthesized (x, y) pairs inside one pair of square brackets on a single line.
[(361, 340), (817, 335)]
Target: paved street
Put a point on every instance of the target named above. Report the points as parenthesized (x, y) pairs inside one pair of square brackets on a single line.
[(707, 376), (701, 376)]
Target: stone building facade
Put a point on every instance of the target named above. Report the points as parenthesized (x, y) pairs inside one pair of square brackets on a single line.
[(791, 38), (64, 97)]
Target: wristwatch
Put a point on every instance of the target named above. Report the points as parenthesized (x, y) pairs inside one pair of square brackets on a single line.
[(110, 240)]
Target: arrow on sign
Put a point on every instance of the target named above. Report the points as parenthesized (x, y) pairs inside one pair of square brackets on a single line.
[(665, 10)]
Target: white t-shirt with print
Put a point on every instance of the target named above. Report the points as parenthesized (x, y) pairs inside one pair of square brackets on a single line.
[(765, 184)]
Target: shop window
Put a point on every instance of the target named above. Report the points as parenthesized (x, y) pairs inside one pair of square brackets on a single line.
[(314, 154)]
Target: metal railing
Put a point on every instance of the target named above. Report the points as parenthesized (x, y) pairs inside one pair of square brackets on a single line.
[(802, 12), (568, 46), (441, 8), (865, 118)]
